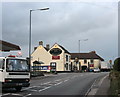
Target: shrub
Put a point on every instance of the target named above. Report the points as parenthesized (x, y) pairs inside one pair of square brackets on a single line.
[(115, 82), (116, 65)]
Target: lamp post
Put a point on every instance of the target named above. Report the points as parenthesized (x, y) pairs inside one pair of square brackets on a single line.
[(79, 43), (79, 51), (42, 9)]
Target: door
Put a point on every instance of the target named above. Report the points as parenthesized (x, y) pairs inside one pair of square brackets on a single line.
[(84, 68)]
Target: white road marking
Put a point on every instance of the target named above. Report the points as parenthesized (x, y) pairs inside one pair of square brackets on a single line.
[(46, 83), (27, 95), (29, 88), (65, 80), (58, 80), (34, 90), (6, 94), (44, 89), (58, 83), (36, 86), (16, 94)]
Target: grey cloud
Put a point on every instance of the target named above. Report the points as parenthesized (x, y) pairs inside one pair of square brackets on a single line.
[(64, 23)]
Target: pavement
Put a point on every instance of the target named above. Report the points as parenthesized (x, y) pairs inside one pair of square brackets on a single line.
[(104, 88), (100, 87)]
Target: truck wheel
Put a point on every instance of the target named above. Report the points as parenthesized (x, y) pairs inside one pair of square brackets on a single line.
[(18, 89)]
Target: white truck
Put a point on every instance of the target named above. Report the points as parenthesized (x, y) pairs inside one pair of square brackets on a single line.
[(106, 66), (14, 72)]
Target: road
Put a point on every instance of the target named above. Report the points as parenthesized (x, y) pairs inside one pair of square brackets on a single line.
[(59, 84)]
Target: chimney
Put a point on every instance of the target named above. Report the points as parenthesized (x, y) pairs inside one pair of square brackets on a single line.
[(93, 52), (35, 48), (47, 46), (41, 43)]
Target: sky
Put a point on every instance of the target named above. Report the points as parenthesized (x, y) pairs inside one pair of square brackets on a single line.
[(64, 23)]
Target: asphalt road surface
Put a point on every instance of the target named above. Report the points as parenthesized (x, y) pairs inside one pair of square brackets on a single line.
[(59, 84)]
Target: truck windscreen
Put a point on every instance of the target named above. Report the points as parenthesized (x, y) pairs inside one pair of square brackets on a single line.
[(17, 65)]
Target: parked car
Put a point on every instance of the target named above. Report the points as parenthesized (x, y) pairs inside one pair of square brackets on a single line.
[(96, 70)]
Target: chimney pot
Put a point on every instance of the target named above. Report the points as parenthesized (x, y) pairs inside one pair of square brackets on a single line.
[(48, 46), (41, 43)]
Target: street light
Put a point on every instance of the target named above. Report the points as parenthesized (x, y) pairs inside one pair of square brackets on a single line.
[(79, 51), (79, 43), (42, 9)]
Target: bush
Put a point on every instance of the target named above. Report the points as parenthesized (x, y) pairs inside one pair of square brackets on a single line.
[(114, 83), (116, 65)]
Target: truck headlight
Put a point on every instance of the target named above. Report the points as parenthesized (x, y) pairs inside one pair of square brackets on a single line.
[(27, 80)]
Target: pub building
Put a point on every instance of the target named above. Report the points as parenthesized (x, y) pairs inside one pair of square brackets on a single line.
[(56, 58), (86, 61)]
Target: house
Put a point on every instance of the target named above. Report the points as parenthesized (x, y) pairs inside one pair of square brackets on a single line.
[(56, 58), (85, 61)]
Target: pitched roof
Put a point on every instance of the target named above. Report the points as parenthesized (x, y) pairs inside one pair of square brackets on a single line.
[(66, 51), (86, 56), (46, 49), (6, 46)]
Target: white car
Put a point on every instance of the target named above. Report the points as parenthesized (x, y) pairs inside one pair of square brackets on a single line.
[(96, 70)]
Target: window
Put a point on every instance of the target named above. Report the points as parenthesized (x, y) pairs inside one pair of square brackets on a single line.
[(85, 61), (67, 58), (91, 61)]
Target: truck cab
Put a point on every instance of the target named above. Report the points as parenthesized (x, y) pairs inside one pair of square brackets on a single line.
[(14, 72)]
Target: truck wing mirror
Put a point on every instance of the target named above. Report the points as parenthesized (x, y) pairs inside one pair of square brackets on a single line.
[(28, 62), (3, 67)]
